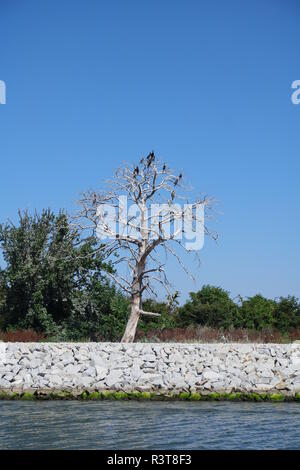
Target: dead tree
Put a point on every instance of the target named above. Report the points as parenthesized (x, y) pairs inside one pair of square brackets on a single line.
[(142, 236)]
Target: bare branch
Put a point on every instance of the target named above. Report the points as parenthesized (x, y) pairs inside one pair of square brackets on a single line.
[(132, 236)]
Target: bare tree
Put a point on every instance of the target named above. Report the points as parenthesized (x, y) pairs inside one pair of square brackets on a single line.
[(141, 238)]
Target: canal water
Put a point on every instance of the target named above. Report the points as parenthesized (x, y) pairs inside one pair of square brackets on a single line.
[(148, 425)]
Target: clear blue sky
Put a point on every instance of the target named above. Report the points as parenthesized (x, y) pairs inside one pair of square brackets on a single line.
[(207, 84)]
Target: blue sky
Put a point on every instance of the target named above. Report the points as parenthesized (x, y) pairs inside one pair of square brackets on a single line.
[(206, 84)]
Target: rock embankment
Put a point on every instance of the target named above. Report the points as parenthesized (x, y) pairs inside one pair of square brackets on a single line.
[(159, 368)]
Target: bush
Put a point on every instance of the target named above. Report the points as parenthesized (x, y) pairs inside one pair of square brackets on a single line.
[(213, 307), (210, 306), (287, 314), (257, 313)]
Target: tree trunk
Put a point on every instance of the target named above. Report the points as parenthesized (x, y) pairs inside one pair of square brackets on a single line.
[(136, 299), (131, 326)]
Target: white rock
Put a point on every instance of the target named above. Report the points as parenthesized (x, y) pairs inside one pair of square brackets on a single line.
[(113, 377), (89, 372), (149, 358), (211, 375), (4, 383)]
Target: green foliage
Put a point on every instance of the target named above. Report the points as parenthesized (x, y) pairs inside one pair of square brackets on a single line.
[(213, 307), (287, 314), (184, 395), (277, 397), (210, 306), (167, 310), (54, 283), (137, 395), (28, 396), (256, 313), (99, 313)]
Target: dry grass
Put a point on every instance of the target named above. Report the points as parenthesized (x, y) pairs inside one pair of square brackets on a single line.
[(198, 334), (22, 336), (206, 334)]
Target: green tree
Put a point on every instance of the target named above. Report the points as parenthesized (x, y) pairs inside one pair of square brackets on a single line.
[(46, 270), (211, 306), (99, 313), (257, 313), (287, 314)]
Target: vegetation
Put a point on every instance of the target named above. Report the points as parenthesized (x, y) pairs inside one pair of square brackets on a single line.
[(213, 307), (155, 396), (53, 286), (206, 334)]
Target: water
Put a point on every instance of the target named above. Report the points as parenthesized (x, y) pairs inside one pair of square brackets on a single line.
[(148, 425)]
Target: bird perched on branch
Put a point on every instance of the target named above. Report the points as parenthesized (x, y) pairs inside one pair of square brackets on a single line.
[(172, 195), (136, 171), (176, 181), (164, 167), (150, 158)]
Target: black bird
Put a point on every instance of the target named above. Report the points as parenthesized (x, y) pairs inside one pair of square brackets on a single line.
[(150, 158), (172, 195), (164, 167), (136, 171), (176, 181), (180, 176)]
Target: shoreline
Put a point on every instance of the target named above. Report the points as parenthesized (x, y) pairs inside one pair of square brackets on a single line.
[(87, 395), (150, 371)]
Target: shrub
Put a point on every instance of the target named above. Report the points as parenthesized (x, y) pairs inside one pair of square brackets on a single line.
[(256, 312), (287, 314), (210, 306)]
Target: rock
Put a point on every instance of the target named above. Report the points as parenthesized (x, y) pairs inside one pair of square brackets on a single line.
[(89, 372), (263, 387), (166, 367), (152, 379), (101, 372), (149, 357), (281, 386), (73, 369), (135, 372), (9, 376), (4, 383), (67, 358), (295, 359), (86, 381), (211, 375), (113, 377), (57, 380)]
